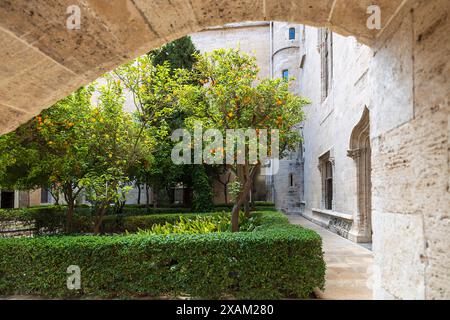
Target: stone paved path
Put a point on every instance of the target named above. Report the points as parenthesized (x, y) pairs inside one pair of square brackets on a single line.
[(349, 266)]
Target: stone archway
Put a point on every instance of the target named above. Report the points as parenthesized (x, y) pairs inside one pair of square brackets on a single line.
[(35, 39), (360, 152), (42, 61)]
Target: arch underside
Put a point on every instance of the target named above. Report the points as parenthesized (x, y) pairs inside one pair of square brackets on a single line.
[(43, 61)]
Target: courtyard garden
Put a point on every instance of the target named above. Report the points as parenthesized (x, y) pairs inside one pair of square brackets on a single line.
[(89, 152)]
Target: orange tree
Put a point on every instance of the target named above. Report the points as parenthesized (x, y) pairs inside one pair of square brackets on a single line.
[(116, 143), (153, 90), (232, 97), (74, 147), (50, 151)]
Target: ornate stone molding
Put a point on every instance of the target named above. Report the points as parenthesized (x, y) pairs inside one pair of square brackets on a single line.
[(354, 153)]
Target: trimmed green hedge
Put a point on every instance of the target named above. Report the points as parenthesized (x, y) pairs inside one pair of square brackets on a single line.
[(86, 210), (274, 261), (257, 203), (51, 219), (129, 210)]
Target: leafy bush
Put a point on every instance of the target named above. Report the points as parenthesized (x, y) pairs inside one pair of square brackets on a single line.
[(247, 223), (196, 225), (131, 224), (275, 260)]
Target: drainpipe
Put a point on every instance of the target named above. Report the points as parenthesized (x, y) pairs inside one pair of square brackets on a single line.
[(271, 178), (271, 50)]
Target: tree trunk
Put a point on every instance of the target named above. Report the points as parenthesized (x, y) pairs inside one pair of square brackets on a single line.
[(155, 198), (70, 199), (225, 192), (252, 201), (69, 218), (242, 196), (147, 198), (138, 185), (247, 198), (99, 221), (224, 184), (119, 205), (237, 206), (55, 195), (247, 205)]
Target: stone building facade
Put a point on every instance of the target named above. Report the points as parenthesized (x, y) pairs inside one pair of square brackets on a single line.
[(335, 154), (13, 199), (286, 186), (250, 37)]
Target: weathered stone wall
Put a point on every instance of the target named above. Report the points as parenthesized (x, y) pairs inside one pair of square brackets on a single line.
[(251, 37), (11, 229), (404, 81), (286, 55), (35, 197), (410, 76), (286, 197)]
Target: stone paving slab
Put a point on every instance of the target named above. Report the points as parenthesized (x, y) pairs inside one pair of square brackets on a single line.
[(349, 265)]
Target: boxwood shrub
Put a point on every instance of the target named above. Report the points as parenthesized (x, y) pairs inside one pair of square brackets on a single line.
[(274, 261), (52, 219)]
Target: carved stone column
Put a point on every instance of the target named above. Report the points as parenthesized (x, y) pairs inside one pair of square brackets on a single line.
[(360, 231), (354, 153)]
